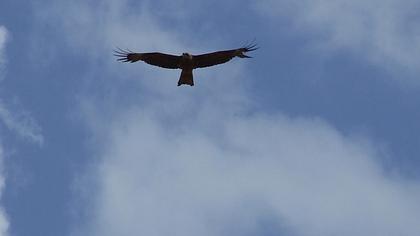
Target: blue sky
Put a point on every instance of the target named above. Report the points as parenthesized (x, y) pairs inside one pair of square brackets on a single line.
[(316, 135)]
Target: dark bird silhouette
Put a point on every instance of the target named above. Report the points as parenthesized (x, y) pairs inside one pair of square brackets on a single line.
[(186, 62)]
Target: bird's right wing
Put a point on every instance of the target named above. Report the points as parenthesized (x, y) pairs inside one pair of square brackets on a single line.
[(154, 58)]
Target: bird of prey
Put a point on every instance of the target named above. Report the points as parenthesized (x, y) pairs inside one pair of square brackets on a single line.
[(186, 62)]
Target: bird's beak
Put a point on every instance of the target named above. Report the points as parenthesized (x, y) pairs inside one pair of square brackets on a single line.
[(246, 56)]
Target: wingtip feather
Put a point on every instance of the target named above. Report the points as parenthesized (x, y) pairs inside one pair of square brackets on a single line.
[(123, 55)]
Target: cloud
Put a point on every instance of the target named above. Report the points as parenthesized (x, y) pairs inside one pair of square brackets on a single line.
[(4, 223), (239, 174), (3, 33), (385, 32), (174, 161), (18, 121), (3, 37), (22, 123)]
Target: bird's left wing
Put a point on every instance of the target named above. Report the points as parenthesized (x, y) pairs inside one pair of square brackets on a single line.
[(214, 58), (154, 58), (220, 57)]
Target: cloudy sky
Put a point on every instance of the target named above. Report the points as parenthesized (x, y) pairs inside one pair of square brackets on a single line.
[(318, 134)]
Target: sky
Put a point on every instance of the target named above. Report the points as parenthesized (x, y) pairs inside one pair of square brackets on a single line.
[(315, 135)]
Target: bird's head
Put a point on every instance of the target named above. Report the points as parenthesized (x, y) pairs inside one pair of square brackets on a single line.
[(186, 55)]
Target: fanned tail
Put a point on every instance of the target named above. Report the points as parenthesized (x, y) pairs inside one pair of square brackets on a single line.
[(186, 77)]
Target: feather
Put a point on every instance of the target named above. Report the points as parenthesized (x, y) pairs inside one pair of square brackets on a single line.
[(154, 58)]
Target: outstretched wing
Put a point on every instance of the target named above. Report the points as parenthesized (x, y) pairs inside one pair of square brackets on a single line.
[(154, 58), (220, 57)]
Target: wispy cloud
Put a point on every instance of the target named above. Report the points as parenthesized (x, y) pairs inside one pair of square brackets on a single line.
[(4, 222), (19, 121), (3, 37), (384, 32), (3, 34)]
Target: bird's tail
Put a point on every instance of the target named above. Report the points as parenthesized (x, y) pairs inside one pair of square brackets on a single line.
[(186, 77)]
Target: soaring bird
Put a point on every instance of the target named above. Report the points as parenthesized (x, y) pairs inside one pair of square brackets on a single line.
[(186, 62)]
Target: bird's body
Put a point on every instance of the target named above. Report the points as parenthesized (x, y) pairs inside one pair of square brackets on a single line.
[(187, 62), (187, 66)]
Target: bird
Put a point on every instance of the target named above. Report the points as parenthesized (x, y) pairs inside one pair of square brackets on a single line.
[(186, 62)]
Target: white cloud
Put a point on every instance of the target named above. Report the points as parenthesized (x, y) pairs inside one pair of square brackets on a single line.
[(385, 32), (231, 174), (190, 162), (18, 121), (3, 33), (4, 223), (96, 33), (21, 123), (3, 37)]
